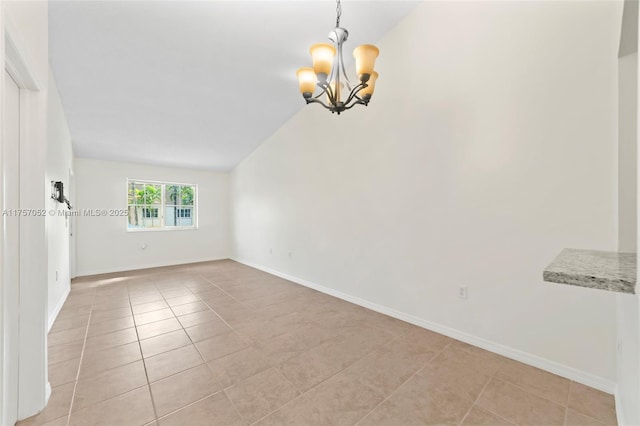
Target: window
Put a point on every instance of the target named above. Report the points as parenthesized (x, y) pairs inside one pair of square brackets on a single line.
[(149, 212), (160, 205), (184, 213)]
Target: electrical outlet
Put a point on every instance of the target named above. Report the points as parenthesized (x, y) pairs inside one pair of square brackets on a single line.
[(462, 292), (270, 251), (290, 254)]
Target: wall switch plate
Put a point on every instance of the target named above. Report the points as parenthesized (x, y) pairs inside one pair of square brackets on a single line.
[(462, 291)]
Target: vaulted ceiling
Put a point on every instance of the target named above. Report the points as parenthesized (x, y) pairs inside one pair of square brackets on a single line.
[(191, 83)]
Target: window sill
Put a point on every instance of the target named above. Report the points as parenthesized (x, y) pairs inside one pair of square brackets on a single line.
[(134, 230)]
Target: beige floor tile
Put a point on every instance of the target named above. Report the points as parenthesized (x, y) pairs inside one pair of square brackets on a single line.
[(280, 349), (67, 336), (220, 345), (179, 390), (182, 300), (479, 417), (109, 384), (64, 372), (214, 410), (311, 367), (576, 419), (157, 328), (519, 406), (58, 406), (62, 421), (388, 367), (163, 343), (149, 307), (149, 317), (66, 352), (132, 408), (538, 382), (420, 402), (146, 298), (237, 366), (261, 394), (290, 339), (312, 334), (341, 400), (308, 368), (172, 362), (79, 300), (463, 371), (70, 322), (109, 326), (176, 292), (96, 362), (99, 316), (196, 318), (593, 403), (109, 304), (109, 340), (189, 308), (71, 311), (208, 329)]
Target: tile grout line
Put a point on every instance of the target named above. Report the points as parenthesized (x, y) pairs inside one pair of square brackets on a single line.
[(403, 383), (475, 401), (566, 409), (302, 393), (144, 364), (164, 416), (75, 384)]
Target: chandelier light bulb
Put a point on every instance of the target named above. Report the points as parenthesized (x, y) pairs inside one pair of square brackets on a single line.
[(365, 59), (307, 80), (322, 55)]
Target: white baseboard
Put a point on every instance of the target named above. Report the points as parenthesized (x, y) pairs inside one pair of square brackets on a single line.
[(58, 308), (562, 370), (47, 393), (128, 268)]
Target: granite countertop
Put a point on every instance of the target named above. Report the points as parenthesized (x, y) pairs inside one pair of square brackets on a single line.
[(604, 270)]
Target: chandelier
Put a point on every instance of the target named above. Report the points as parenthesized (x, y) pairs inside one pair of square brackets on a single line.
[(329, 75)]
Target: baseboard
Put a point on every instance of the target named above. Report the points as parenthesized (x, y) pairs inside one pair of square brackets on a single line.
[(47, 393), (88, 273), (58, 308), (562, 370)]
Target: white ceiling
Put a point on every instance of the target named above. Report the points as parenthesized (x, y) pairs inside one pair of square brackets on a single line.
[(191, 84)]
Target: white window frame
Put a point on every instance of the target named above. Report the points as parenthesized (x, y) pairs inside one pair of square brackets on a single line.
[(161, 206)]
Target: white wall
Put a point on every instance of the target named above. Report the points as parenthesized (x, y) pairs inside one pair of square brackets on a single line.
[(59, 165), (27, 22), (103, 243), (627, 152), (489, 146)]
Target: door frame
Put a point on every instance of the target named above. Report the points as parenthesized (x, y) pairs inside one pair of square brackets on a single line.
[(33, 386)]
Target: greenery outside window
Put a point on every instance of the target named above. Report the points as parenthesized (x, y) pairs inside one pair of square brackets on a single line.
[(160, 205)]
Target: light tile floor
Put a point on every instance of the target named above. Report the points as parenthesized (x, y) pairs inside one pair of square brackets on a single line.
[(219, 343)]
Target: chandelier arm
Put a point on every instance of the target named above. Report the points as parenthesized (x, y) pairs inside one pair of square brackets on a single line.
[(355, 91), (318, 101), (360, 102), (326, 87), (344, 72)]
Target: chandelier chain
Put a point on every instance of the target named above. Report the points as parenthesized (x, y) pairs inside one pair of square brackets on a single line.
[(338, 12)]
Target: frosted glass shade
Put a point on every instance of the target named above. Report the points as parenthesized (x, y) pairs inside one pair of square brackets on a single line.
[(306, 80), (322, 55), (371, 85), (365, 58)]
